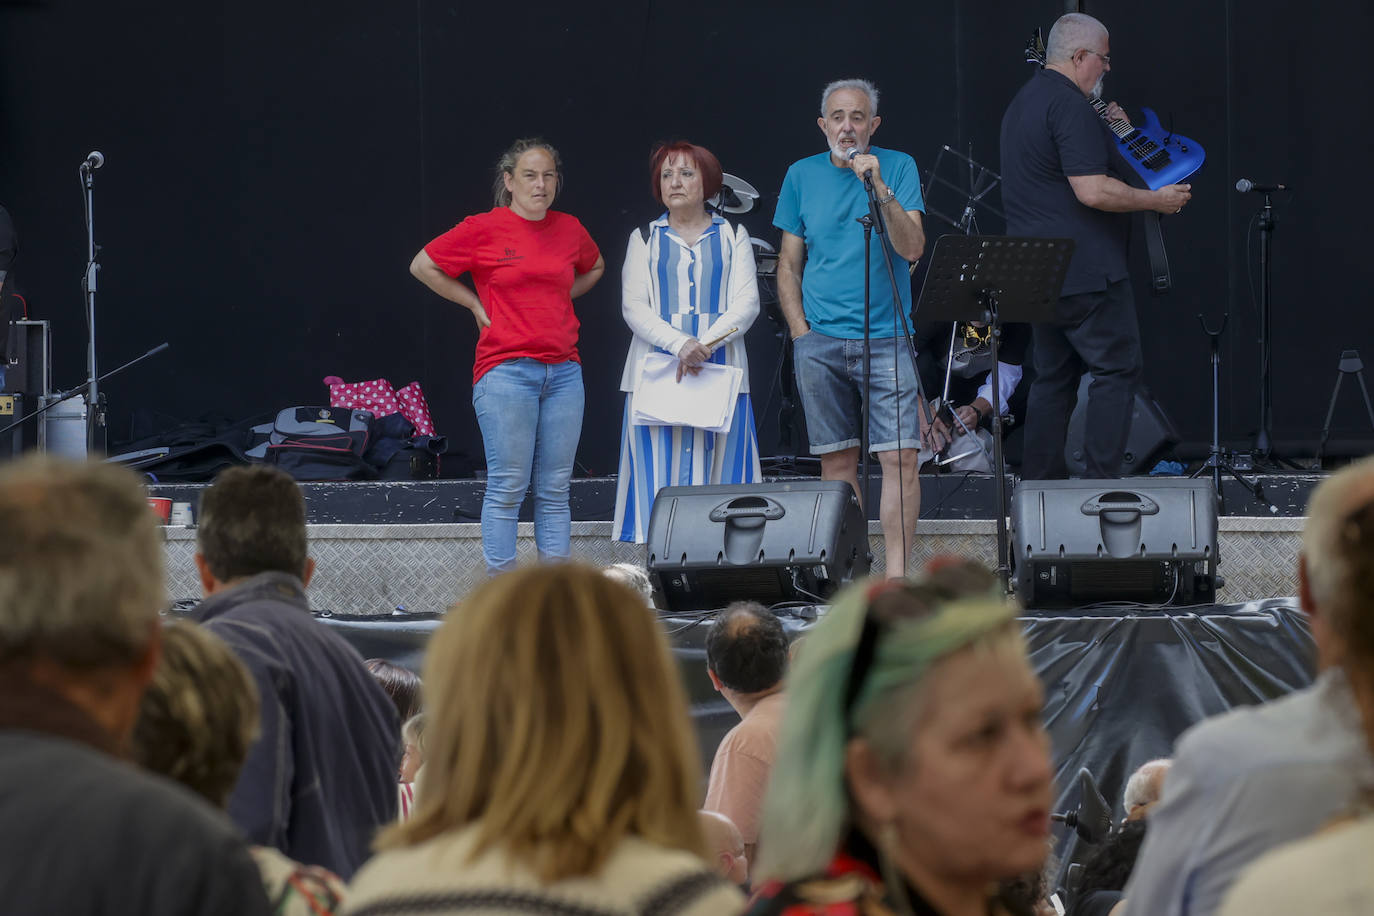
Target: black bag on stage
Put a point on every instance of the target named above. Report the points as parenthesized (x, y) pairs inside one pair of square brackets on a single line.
[(321, 443)]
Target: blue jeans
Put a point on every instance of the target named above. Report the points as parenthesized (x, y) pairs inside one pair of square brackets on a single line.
[(531, 418)]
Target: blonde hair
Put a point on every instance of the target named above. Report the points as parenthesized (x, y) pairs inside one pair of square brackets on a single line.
[(1338, 552), (81, 573), (557, 724), (199, 716)]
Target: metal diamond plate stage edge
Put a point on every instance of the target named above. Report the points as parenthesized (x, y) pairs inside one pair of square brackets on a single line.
[(376, 569)]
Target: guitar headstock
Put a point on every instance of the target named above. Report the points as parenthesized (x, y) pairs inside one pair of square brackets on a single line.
[(1035, 48)]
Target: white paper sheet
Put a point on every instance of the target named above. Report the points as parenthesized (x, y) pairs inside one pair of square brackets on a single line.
[(705, 400)]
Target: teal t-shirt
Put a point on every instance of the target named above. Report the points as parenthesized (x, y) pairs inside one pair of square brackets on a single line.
[(821, 203)]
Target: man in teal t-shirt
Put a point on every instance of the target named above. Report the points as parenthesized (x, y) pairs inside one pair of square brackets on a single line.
[(820, 290)]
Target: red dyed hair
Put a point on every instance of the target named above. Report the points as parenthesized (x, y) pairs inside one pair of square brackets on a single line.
[(706, 162)]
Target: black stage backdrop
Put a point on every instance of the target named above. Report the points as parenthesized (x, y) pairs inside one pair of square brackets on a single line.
[(272, 168)]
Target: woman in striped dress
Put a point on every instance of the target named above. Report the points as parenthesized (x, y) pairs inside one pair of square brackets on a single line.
[(689, 277)]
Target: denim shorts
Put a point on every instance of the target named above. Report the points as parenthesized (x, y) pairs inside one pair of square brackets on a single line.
[(830, 376)]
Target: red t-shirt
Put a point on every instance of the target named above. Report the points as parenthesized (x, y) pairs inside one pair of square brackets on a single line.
[(523, 270)]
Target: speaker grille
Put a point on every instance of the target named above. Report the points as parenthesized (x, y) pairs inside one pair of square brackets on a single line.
[(1124, 580)]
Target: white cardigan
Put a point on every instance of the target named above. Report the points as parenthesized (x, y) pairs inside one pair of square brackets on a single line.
[(439, 877), (641, 309)]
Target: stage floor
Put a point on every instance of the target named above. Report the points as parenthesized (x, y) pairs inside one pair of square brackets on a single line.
[(368, 569)]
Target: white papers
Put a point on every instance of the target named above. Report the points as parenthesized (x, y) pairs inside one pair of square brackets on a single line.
[(705, 400)]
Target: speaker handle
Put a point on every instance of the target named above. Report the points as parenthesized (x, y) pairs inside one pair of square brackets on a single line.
[(1119, 515), (748, 507), (1118, 501)]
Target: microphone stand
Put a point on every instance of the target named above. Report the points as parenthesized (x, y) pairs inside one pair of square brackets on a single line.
[(879, 225), (1263, 442), (93, 418), (83, 388)]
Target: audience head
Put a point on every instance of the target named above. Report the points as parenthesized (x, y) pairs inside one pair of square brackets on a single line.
[(555, 724), (746, 649), (1145, 788), (725, 846), (635, 577), (914, 716), (400, 683), (81, 584), (199, 716), (252, 520), (413, 736), (1336, 567)]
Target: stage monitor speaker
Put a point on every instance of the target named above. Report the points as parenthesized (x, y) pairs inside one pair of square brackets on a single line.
[(1151, 433), (767, 542), (1147, 540)]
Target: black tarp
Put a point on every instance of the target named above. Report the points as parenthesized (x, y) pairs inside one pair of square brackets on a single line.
[(1121, 683)]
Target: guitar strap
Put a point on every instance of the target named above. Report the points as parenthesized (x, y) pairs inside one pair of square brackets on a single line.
[(1160, 281)]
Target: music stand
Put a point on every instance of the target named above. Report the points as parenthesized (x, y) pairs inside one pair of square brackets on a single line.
[(994, 278)]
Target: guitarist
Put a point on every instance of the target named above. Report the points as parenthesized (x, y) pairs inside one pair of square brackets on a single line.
[(1056, 151)]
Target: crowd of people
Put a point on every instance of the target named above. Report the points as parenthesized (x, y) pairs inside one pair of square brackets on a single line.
[(248, 760), (245, 759)]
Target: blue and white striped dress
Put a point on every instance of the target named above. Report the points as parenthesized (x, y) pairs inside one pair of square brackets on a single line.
[(673, 291)]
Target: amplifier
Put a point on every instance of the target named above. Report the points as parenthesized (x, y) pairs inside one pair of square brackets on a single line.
[(766, 542), (1152, 433), (1144, 540), (11, 409)]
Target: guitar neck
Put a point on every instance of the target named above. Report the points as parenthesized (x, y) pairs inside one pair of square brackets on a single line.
[(1120, 127)]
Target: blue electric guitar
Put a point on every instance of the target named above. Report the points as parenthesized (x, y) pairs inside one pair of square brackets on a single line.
[(1158, 157)]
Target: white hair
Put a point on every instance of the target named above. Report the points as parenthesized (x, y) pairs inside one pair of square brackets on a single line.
[(864, 86), (1072, 32), (1146, 784), (635, 576)]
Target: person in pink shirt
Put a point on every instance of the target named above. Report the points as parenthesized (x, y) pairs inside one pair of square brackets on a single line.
[(746, 658)]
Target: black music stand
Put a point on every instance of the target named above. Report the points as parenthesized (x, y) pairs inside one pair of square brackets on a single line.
[(995, 278)]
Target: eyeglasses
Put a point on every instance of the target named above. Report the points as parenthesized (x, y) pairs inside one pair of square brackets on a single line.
[(1106, 58)]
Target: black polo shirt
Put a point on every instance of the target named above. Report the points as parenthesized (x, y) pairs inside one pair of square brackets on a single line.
[(1050, 132)]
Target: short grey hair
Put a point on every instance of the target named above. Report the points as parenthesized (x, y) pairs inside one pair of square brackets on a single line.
[(864, 86), (506, 166), (81, 573), (1072, 32), (1146, 784)]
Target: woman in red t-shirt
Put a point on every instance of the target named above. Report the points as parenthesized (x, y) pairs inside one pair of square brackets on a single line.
[(528, 264)]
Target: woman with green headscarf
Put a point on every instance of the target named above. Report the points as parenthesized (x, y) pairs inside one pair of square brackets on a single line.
[(913, 771)]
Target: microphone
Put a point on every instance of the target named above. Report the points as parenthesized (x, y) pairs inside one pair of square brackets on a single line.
[(94, 160), (849, 157), (1245, 185)]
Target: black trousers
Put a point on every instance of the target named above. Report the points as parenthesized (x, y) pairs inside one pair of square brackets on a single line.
[(1094, 332)]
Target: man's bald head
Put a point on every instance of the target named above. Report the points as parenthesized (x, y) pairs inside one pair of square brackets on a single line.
[(726, 846), (746, 647)]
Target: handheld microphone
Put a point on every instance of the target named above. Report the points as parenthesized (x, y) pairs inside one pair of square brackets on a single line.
[(1246, 185), (94, 160), (849, 157)]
